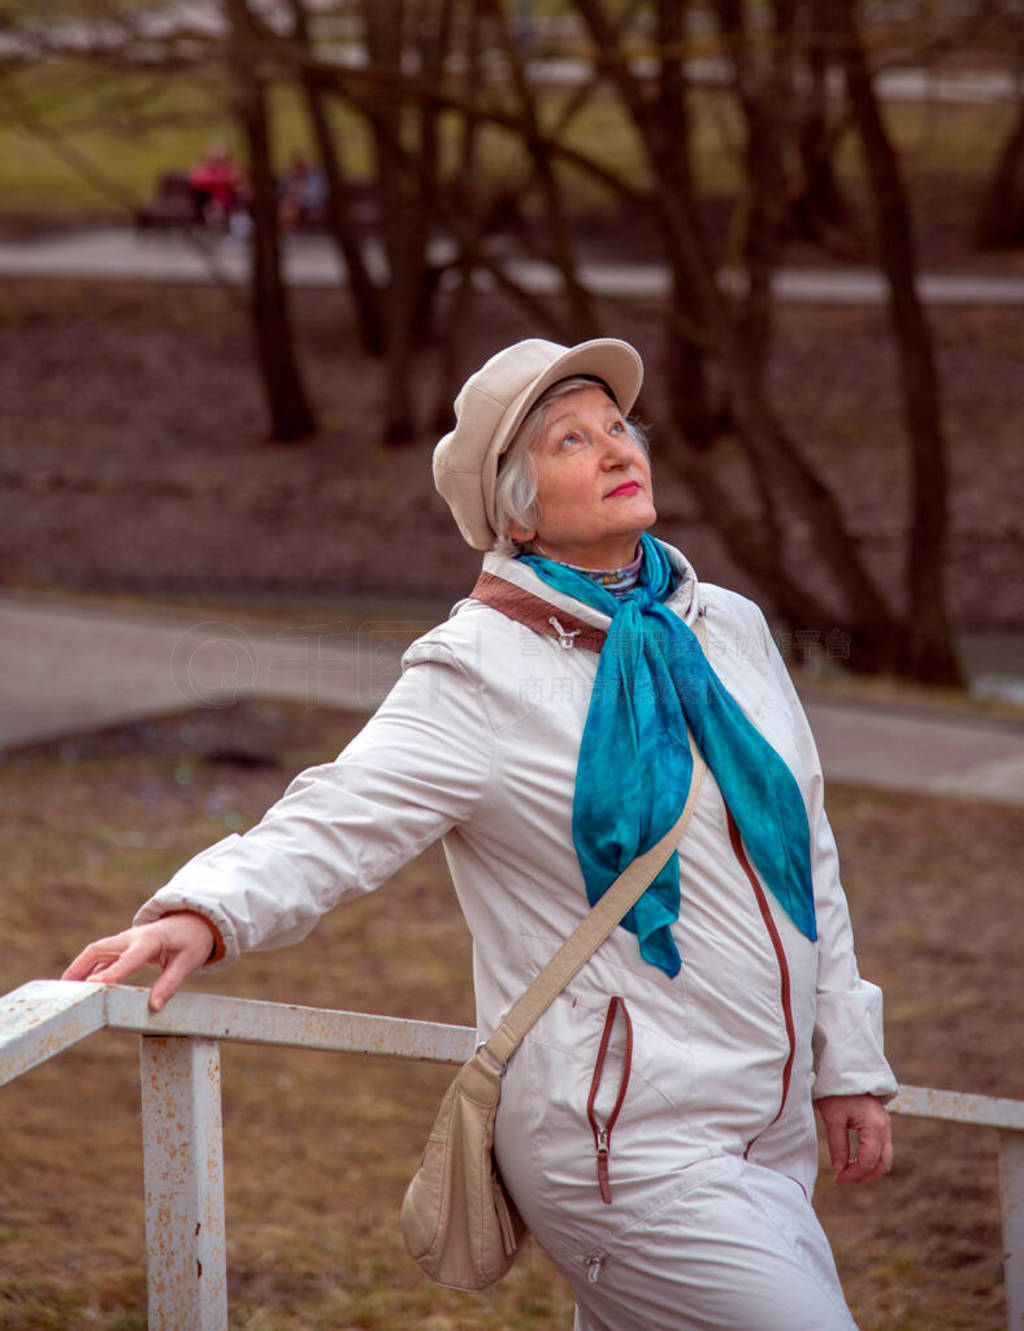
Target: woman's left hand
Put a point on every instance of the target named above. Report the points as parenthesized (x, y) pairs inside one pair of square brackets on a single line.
[(866, 1118)]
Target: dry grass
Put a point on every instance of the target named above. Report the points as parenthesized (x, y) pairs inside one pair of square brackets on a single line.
[(319, 1147)]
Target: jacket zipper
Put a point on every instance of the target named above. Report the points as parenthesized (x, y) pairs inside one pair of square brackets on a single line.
[(785, 996), (603, 1132)]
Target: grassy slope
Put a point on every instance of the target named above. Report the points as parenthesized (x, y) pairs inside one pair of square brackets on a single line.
[(128, 128), (123, 131), (319, 1148)]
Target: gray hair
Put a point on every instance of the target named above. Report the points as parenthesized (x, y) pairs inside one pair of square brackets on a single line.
[(515, 493)]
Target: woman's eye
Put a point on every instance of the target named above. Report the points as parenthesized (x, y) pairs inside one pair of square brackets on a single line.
[(569, 440)]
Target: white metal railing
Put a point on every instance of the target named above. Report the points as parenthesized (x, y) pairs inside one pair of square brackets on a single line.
[(181, 1117)]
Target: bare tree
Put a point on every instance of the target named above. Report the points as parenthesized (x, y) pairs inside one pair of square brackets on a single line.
[(764, 89), (1000, 221), (400, 95), (107, 35), (819, 209), (780, 472), (717, 344), (406, 224), (366, 295), (716, 341), (693, 409), (929, 641), (580, 313), (290, 413)]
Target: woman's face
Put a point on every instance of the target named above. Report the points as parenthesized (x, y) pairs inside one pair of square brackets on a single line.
[(593, 484)]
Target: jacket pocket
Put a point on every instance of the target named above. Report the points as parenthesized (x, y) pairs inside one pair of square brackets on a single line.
[(603, 1122)]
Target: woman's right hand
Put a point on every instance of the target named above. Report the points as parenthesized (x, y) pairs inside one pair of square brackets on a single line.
[(178, 943)]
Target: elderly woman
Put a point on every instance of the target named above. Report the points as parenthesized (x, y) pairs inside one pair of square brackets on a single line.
[(656, 1128)]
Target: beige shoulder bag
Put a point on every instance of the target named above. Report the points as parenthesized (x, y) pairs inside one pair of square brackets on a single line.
[(458, 1222)]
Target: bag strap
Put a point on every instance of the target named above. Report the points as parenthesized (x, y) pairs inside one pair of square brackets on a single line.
[(597, 925)]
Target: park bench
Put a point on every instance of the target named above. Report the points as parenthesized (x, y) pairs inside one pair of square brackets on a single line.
[(172, 205)]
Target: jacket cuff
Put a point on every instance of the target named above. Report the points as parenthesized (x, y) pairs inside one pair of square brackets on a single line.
[(849, 1057), (219, 950), (224, 949)]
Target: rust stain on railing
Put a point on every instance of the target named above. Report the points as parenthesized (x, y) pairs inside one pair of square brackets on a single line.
[(42, 1019), (960, 1107)]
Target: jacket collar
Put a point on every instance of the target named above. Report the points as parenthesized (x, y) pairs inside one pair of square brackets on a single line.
[(685, 600)]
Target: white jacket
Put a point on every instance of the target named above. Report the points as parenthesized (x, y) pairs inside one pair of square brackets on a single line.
[(477, 744)]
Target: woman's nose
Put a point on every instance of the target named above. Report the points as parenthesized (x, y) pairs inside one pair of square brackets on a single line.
[(617, 449)]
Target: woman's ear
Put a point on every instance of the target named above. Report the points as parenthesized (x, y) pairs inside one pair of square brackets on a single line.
[(517, 532)]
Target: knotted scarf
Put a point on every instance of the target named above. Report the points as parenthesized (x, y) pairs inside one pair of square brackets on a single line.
[(635, 767)]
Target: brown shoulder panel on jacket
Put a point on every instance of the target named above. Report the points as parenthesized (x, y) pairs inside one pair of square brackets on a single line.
[(537, 614)]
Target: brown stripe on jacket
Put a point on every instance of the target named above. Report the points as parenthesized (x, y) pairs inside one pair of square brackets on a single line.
[(516, 603)]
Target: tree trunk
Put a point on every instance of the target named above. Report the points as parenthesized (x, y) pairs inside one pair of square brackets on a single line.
[(766, 97), (404, 219), (932, 657), (461, 304), (365, 296), (794, 501), (290, 414), (1000, 221), (581, 321), (774, 458), (820, 212), (692, 411)]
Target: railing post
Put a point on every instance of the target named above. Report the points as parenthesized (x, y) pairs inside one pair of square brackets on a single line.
[(184, 1184), (182, 1133), (1011, 1192)]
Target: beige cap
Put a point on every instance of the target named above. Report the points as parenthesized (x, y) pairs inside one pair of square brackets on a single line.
[(492, 405)]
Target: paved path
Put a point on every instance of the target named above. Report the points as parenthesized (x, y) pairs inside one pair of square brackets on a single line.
[(122, 254), (65, 669), (68, 668)]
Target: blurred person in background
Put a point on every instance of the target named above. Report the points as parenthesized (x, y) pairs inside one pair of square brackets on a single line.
[(303, 194), (218, 185)]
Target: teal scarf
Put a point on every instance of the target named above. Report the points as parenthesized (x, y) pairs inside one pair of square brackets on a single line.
[(653, 680)]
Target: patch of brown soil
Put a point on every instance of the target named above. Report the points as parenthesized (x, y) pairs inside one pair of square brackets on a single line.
[(132, 450), (319, 1147)]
